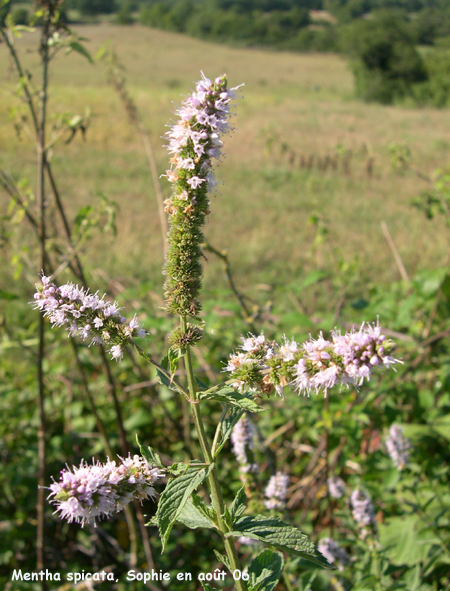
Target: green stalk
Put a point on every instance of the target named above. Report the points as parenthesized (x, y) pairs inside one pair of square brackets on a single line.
[(216, 493)]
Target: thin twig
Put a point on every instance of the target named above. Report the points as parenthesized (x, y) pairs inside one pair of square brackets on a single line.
[(223, 256), (40, 508), (395, 253)]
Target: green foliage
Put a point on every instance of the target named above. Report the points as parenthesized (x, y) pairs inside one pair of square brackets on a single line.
[(386, 63), (20, 16), (282, 536), (228, 396), (174, 498), (265, 570), (124, 14), (276, 24)]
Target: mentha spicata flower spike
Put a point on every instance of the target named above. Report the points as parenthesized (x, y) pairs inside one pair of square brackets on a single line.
[(333, 552), (86, 315), (363, 512), (91, 492), (398, 447), (194, 142), (336, 487), (316, 365), (276, 491), (243, 442)]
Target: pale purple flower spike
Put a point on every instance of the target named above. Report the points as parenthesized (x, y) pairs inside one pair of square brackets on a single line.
[(276, 491), (92, 492), (242, 439), (86, 315), (333, 552), (336, 487), (398, 447), (314, 366), (363, 512)]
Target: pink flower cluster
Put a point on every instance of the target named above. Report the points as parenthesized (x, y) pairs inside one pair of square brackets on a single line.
[(243, 442), (363, 512), (203, 116), (276, 491), (398, 447), (94, 491), (194, 140), (333, 552), (86, 315), (316, 365)]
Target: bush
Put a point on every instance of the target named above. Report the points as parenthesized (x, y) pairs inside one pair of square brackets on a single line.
[(92, 7), (20, 16), (386, 63), (436, 90), (124, 16)]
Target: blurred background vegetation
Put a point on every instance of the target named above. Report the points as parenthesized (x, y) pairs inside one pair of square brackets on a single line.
[(333, 211)]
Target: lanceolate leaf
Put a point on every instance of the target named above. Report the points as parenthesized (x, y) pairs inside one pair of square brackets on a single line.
[(282, 536), (150, 455), (79, 48), (192, 515), (227, 395), (223, 559), (175, 496), (238, 506), (265, 571), (227, 422)]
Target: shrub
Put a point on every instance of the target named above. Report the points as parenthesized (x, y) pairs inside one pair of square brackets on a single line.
[(20, 16), (386, 63)]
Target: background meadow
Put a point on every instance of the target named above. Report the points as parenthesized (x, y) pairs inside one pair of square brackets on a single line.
[(310, 175)]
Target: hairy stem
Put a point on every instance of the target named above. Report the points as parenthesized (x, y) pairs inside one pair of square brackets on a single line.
[(213, 479)]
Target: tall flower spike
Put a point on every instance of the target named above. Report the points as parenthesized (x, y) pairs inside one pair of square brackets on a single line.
[(316, 365), (91, 492), (242, 440), (363, 512), (86, 315), (398, 447), (276, 491), (194, 141), (336, 487), (333, 552)]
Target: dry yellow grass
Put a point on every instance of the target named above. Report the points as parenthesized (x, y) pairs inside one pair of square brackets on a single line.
[(295, 105)]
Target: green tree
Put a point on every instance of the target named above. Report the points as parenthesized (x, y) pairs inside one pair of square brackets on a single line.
[(385, 62)]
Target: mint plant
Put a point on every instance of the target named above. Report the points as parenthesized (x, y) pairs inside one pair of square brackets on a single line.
[(260, 368)]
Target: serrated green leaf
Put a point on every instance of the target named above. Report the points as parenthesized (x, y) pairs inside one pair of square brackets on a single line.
[(227, 422), (76, 46), (177, 468), (175, 496), (223, 559), (238, 506), (163, 379), (226, 394), (150, 455), (265, 571), (174, 355), (281, 535), (205, 509), (192, 516)]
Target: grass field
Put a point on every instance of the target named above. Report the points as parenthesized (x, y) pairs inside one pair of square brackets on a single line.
[(295, 107)]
